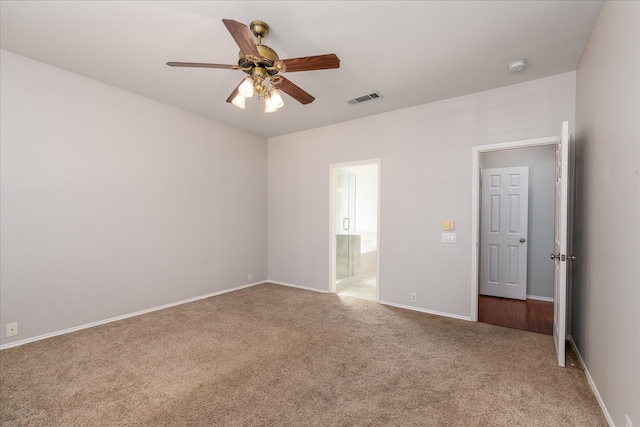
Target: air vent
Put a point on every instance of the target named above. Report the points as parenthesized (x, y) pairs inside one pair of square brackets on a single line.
[(365, 98)]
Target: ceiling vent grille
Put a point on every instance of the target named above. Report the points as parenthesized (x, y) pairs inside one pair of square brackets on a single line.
[(365, 98)]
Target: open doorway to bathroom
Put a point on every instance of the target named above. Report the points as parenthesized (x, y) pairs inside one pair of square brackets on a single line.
[(354, 229)]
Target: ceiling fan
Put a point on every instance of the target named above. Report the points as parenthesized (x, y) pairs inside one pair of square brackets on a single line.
[(263, 66)]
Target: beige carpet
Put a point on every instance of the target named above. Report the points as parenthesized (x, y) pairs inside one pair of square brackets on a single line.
[(276, 356)]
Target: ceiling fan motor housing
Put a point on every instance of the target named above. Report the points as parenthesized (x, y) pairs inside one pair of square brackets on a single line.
[(268, 60)]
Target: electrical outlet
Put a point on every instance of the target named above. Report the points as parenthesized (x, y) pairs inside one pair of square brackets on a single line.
[(414, 297), (249, 277), (12, 329), (628, 422)]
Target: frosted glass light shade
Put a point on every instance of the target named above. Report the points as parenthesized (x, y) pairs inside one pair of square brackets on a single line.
[(239, 101), (246, 87), (275, 99), (268, 106)]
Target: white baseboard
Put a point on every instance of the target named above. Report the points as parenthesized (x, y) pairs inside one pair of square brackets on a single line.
[(124, 316), (406, 307), (291, 285), (591, 383), (424, 310), (535, 297)]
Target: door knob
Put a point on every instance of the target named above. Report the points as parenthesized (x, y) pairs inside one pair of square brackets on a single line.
[(555, 256), (522, 240), (572, 257)]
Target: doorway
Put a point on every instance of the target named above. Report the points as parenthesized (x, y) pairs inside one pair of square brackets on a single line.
[(563, 195), (525, 290), (354, 225), (516, 284)]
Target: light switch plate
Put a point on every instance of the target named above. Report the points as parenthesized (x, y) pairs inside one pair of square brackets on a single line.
[(448, 237)]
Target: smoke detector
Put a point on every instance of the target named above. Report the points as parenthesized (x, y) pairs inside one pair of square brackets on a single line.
[(518, 65)]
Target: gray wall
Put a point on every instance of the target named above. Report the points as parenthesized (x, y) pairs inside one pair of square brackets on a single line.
[(606, 280), (113, 203), (541, 161), (426, 159)]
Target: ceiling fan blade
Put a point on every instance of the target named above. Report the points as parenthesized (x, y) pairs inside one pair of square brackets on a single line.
[(295, 92), (202, 65), (309, 63), (234, 93), (243, 37)]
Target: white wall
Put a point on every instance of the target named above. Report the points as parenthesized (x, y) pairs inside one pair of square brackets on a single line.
[(542, 173), (606, 280), (426, 175), (113, 203)]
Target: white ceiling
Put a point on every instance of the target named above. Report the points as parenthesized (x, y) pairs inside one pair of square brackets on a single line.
[(412, 52)]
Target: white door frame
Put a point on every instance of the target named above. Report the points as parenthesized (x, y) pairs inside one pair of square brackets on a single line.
[(333, 181), (475, 206)]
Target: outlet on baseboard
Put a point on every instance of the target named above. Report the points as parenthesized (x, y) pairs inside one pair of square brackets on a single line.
[(414, 297), (11, 329), (249, 277)]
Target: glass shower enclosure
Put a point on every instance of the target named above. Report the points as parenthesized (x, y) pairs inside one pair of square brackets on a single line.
[(347, 242)]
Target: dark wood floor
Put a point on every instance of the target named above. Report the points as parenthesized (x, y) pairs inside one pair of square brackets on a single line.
[(529, 315)]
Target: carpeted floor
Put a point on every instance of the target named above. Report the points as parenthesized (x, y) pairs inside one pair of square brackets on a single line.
[(276, 356)]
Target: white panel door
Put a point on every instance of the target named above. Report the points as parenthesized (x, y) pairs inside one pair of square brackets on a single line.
[(503, 233), (560, 248)]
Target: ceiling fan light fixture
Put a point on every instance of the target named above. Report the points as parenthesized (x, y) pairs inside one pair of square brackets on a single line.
[(246, 87), (269, 107), (263, 65), (275, 99), (239, 101)]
